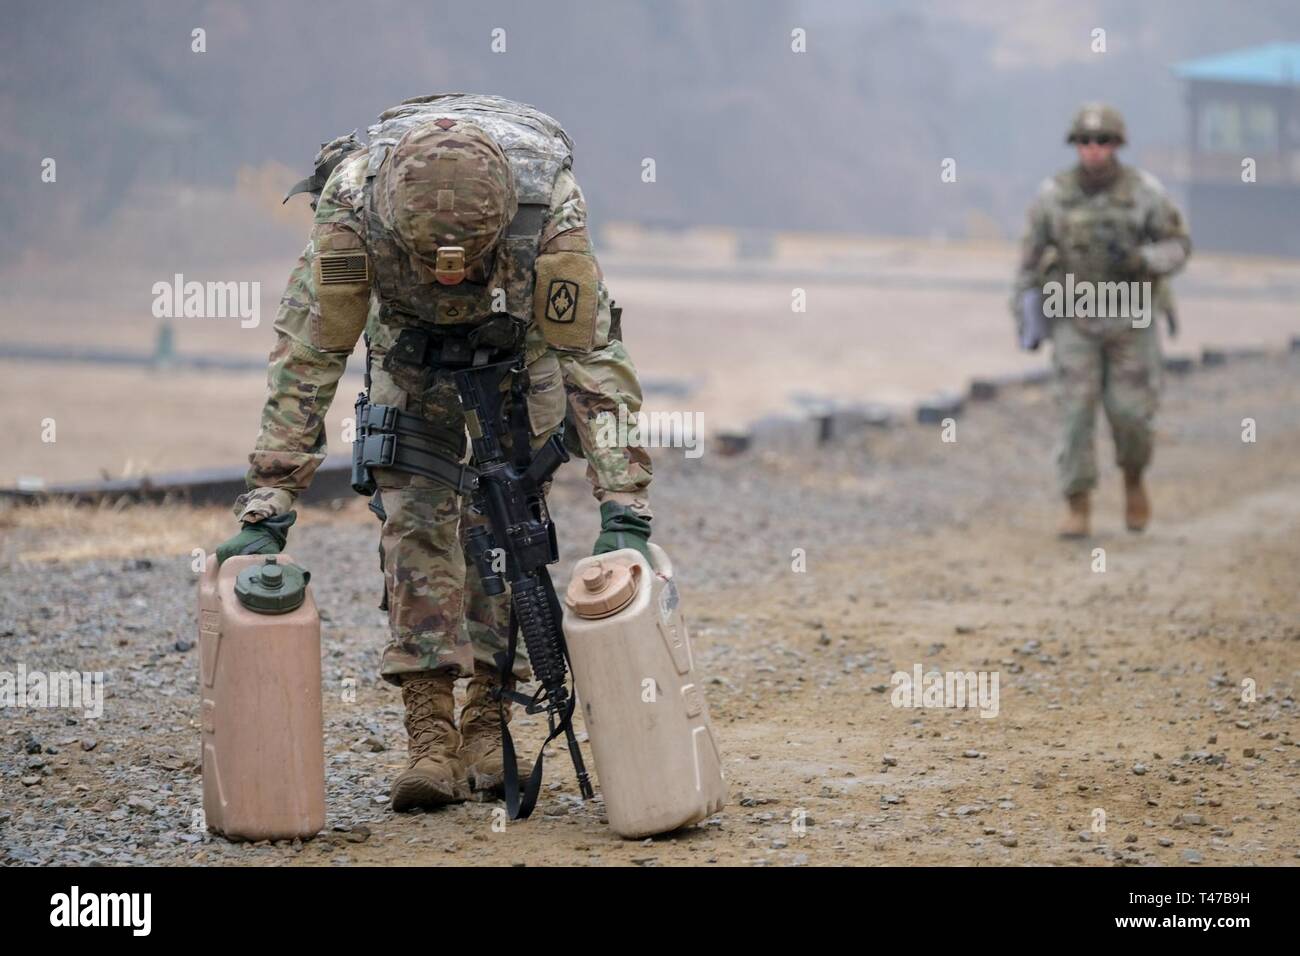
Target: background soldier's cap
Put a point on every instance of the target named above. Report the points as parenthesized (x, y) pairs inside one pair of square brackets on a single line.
[(446, 183), (1094, 119)]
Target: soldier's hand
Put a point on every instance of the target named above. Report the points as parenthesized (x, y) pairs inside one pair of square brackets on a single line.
[(1127, 262), (267, 536), (620, 527)]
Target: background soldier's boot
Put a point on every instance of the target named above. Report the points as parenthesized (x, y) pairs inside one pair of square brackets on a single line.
[(1075, 524), (1137, 506), (434, 774), (480, 734)]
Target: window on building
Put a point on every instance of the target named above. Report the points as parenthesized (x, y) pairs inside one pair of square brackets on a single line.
[(1237, 127), (1260, 127)]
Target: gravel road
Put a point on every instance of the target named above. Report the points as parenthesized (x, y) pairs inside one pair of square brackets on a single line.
[(1146, 712)]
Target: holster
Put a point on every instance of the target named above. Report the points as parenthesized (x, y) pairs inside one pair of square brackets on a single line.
[(388, 437)]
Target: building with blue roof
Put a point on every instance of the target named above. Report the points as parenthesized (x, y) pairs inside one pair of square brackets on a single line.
[(1244, 145)]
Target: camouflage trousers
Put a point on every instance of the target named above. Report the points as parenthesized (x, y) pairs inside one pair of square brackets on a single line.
[(440, 619), (1121, 368)]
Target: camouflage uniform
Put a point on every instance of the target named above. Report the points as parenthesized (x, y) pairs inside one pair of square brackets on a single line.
[(1077, 224), (440, 619)]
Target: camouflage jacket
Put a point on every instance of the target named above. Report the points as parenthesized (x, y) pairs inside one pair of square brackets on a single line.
[(302, 380), (1072, 229)]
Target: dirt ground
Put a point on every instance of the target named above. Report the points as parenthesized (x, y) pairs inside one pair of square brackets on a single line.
[(1122, 735)]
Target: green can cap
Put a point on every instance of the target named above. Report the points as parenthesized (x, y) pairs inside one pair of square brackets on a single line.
[(272, 588)]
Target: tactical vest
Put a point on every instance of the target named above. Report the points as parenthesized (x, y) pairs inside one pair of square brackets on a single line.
[(1087, 225), (537, 148)]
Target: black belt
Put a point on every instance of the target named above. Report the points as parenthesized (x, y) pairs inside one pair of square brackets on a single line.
[(453, 346)]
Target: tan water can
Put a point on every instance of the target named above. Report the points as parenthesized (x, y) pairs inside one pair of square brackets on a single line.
[(260, 690), (642, 698)]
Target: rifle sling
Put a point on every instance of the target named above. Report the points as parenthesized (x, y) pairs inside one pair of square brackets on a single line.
[(521, 807)]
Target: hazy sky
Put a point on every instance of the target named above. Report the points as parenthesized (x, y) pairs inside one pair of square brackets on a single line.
[(848, 135)]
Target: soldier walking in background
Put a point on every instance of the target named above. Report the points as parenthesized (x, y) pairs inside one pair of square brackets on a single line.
[(1098, 229)]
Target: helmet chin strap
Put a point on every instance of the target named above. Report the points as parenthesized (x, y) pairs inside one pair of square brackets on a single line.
[(480, 270)]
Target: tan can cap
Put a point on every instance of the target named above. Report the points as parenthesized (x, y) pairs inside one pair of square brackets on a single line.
[(603, 588)]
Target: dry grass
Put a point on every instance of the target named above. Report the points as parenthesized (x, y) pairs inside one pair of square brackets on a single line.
[(908, 326), (56, 531)]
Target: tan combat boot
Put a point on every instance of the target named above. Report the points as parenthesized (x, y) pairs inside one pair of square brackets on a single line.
[(1137, 506), (1075, 524), (434, 774), (480, 732)]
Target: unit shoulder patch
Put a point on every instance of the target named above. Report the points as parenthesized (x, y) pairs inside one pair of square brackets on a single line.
[(565, 300), (562, 300)]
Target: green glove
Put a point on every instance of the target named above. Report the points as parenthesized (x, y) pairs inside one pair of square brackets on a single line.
[(620, 527), (262, 537)]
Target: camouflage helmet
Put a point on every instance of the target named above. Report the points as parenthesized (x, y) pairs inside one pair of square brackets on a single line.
[(1094, 119), (446, 194)]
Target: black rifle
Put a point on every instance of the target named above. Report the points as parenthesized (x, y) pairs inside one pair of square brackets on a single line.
[(507, 489), (509, 493)]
